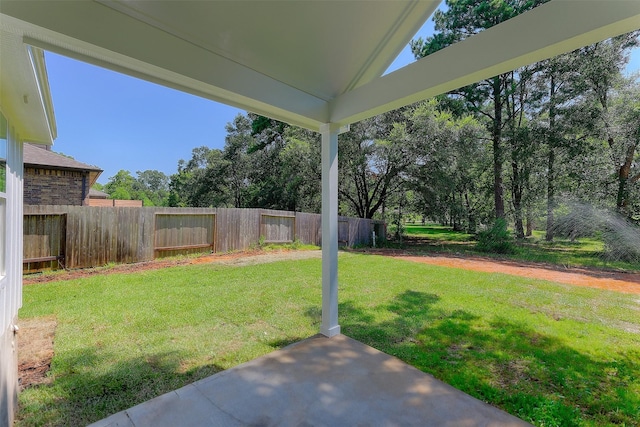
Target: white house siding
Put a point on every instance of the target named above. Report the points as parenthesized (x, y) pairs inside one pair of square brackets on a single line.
[(11, 283)]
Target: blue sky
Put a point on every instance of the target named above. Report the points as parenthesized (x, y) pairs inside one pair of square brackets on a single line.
[(118, 122)]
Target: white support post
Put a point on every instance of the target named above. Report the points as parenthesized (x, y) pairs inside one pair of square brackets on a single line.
[(330, 325)]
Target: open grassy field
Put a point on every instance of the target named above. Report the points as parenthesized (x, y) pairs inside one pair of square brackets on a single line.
[(583, 252), (551, 354)]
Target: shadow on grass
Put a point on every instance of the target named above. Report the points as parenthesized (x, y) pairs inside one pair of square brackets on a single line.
[(88, 385), (536, 377), (508, 364), (92, 394)]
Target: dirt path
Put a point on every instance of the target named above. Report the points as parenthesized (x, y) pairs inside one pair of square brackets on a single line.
[(236, 258), (612, 281)]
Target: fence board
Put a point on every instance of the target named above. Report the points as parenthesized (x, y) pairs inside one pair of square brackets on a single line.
[(308, 228), (44, 244), (343, 231), (277, 228), (238, 229), (183, 233)]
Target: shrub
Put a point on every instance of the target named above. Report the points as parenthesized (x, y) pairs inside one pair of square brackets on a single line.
[(497, 239)]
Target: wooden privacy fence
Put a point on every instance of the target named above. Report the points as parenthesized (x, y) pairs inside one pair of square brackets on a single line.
[(88, 236)]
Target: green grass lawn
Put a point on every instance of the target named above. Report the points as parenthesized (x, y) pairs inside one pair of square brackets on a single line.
[(551, 354), (584, 252)]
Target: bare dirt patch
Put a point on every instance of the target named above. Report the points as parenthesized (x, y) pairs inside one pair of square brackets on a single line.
[(259, 258), (235, 258), (35, 350), (612, 281), (609, 280)]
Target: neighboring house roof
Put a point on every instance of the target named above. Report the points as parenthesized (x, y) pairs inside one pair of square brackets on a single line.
[(39, 156), (97, 194)]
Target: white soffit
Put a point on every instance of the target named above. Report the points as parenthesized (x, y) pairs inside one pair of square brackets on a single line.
[(304, 62), (323, 48), (553, 28), (284, 59), (24, 88)]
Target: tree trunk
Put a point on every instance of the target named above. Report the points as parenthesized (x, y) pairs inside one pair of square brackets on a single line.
[(471, 219), (517, 199), (529, 217), (622, 199), (517, 184), (551, 202), (497, 147), (399, 221), (454, 213)]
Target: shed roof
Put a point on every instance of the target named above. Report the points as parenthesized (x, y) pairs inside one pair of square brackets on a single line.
[(303, 62), (97, 194)]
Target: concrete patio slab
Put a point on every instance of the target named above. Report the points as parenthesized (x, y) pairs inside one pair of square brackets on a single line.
[(317, 382)]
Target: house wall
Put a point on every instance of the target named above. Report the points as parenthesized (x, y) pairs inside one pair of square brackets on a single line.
[(55, 187), (11, 282)]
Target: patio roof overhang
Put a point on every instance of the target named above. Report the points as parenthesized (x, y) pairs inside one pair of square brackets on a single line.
[(306, 62), (315, 64)]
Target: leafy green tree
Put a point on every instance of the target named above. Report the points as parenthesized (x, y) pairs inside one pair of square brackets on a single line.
[(449, 174), (373, 156), (610, 104), (462, 19), (200, 182), (283, 161), (238, 142), (154, 185), (552, 89), (266, 132), (300, 171), (625, 149), (121, 186)]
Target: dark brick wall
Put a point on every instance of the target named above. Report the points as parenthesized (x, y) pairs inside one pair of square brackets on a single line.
[(55, 187)]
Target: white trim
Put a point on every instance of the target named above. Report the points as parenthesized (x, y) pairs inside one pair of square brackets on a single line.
[(36, 56), (330, 325), (11, 296)]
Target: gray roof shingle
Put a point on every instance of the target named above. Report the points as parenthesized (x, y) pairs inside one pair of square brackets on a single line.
[(36, 156)]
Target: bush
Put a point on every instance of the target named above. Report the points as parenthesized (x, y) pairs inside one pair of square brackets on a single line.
[(497, 239)]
